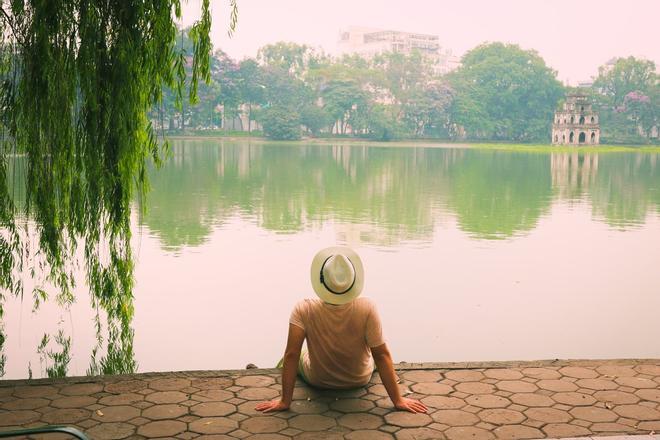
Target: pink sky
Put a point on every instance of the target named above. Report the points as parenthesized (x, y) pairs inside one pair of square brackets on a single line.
[(574, 37)]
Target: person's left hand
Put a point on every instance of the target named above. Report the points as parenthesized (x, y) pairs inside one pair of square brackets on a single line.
[(273, 405)]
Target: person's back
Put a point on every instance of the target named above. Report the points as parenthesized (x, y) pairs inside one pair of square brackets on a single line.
[(343, 333), (339, 341)]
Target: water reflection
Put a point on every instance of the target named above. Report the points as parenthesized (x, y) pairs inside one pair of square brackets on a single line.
[(385, 196)]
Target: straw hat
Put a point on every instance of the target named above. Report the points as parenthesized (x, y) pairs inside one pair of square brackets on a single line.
[(337, 275)]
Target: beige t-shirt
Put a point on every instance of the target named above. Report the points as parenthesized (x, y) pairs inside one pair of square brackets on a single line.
[(339, 339)]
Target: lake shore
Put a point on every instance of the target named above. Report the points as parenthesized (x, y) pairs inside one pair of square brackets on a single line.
[(419, 143), (476, 400)]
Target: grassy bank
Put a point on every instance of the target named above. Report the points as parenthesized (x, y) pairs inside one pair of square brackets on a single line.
[(419, 143)]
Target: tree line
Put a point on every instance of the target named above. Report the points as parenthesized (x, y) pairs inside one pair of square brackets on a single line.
[(499, 93)]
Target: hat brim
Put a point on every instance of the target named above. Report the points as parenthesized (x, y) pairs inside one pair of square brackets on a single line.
[(321, 290)]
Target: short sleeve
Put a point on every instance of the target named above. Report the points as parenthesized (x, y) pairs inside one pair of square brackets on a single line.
[(374, 330), (297, 315)]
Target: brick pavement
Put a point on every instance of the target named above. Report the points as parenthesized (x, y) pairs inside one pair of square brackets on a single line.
[(475, 401)]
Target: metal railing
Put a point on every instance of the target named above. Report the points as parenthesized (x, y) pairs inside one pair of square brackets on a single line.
[(45, 430)]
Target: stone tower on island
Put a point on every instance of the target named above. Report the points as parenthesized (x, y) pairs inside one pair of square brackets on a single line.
[(576, 123)]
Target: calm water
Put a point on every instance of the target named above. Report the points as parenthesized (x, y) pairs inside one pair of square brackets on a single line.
[(470, 255)]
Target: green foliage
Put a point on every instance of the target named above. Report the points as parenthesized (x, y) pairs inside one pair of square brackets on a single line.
[(59, 360), (315, 118), (77, 80), (504, 92), (627, 94), (280, 123)]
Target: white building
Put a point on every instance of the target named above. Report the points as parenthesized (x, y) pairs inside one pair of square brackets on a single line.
[(368, 42)]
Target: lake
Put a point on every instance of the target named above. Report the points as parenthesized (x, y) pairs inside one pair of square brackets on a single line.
[(469, 254)]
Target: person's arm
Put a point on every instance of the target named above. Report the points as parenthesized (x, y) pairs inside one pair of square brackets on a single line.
[(383, 361), (291, 359)]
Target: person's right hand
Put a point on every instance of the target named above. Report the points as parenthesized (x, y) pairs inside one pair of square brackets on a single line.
[(272, 405), (412, 405)]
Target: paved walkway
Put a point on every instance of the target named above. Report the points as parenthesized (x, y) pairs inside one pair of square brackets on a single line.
[(474, 401)]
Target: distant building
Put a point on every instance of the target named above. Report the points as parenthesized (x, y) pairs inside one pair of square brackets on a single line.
[(369, 42), (576, 123)]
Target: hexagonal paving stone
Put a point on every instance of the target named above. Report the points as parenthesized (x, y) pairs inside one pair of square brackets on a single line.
[(81, 389), (122, 413), (548, 415), (380, 390), (636, 382), (650, 395), (162, 428), (73, 402), (516, 386), (407, 420), (20, 404), (211, 383), (488, 401), (351, 405), (464, 375), (593, 414), (652, 370), (169, 384), (564, 430), (558, 385), (212, 395), (416, 434), (166, 397), (616, 371), (110, 431), (422, 376), (308, 407), (574, 399), (163, 412), (515, 432), (265, 424), (255, 381), (541, 373), (356, 421), (258, 393), (503, 374), (609, 427), (370, 434), (121, 399), (637, 412), (455, 417), (475, 388), (68, 415), (311, 422), (499, 416), (468, 432), (596, 384), (431, 388), (21, 417), (443, 402), (616, 397), (28, 391), (531, 399), (212, 409), (125, 386), (579, 372)]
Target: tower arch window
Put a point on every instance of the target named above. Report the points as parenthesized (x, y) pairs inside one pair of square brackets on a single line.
[(581, 119), (593, 120), (572, 120), (582, 137), (571, 137), (593, 137), (557, 138)]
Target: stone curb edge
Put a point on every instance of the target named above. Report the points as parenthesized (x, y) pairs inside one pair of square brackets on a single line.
[(403, 366)]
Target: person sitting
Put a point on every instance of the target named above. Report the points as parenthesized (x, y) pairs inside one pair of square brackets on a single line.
[(343, 333)]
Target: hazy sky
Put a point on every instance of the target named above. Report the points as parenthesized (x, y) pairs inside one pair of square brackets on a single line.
[(573, 36)]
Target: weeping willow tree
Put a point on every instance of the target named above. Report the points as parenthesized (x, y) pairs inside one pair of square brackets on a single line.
[(77, 79)]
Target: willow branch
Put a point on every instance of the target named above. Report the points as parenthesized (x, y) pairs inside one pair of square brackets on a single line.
[(10, 22)]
